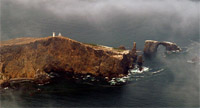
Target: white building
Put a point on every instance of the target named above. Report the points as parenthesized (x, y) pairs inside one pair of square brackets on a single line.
[(59, 34), (54, 34)]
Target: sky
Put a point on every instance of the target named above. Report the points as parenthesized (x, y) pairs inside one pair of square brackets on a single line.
[(107, 22), (114, 23)]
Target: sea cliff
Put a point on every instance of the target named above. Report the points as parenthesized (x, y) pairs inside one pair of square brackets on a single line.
[(36, 58)]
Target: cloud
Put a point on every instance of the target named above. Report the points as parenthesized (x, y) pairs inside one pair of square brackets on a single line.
[(184, 83), (114, 22), (136, 20)]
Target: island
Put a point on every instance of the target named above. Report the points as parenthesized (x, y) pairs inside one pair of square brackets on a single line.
[(35, 58)]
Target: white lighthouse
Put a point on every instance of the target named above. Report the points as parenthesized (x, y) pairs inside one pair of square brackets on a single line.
[(54, 34)]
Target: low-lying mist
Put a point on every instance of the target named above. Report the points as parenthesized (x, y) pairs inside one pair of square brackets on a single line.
[(115, 23), (185, 82), (107, 22)]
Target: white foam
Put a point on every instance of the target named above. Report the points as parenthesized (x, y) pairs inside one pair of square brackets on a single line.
[(137, 70), (133, 74), (6, 88), (157, 71)]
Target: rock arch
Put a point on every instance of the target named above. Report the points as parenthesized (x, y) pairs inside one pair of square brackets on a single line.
[(150, 47)]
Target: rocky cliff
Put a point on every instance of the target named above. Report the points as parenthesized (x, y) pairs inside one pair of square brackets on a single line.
[(150, 47), (31, 58)]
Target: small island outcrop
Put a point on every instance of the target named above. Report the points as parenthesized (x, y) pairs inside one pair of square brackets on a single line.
[(150, 47), (31, 58)]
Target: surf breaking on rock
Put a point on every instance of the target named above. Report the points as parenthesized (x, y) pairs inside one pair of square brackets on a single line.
[(37, 59)]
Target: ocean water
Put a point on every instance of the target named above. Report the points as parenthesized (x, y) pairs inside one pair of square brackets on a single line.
[(167, 82)]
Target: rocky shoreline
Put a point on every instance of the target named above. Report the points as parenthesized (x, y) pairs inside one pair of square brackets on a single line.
[(42, 60), (36, 58)]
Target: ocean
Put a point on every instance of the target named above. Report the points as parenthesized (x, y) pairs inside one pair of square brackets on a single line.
[(169, 81)]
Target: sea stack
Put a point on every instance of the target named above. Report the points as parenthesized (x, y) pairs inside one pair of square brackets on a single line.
[(133, 56), (150, 47), (140, 62)]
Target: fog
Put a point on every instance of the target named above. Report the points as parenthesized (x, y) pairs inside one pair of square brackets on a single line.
[(107, 22), (115, 23), (186, 76)]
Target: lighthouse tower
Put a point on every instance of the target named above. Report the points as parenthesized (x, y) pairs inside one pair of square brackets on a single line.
[(54, 34)]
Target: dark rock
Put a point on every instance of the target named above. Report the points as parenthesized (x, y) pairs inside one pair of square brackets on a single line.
[(121, 47), (134, 47), (132, 56), (140, 62), (150, 47)]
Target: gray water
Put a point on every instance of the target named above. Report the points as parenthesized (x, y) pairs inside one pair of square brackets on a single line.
[(112, 23)]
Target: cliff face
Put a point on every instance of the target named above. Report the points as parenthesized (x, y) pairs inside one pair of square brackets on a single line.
[(33, 57), (150, 47)]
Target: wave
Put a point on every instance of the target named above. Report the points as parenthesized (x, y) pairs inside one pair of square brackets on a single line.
[(134, 75)]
